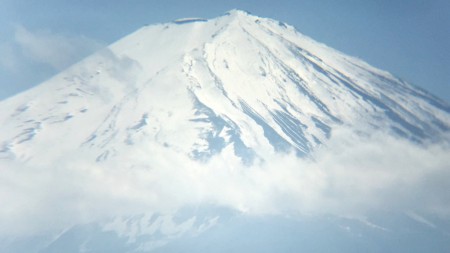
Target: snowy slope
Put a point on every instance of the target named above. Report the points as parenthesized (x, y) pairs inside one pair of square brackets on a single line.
[(199, 86), (238, 85)]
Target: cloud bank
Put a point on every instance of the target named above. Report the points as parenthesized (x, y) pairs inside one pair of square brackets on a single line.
[(351, 176)]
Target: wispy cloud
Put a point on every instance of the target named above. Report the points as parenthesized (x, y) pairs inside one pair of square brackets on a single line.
[(57, 50), (9, 59), (353, 176), (31, 56)]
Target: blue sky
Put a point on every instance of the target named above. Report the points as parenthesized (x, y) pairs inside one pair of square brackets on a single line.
[(410, 39)]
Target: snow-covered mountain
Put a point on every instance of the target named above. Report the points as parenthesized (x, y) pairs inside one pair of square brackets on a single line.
[(252, 84), (237, 84)]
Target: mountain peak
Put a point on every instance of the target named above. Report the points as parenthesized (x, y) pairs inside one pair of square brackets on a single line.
[(256, 88), (234, 14), (237, 12)]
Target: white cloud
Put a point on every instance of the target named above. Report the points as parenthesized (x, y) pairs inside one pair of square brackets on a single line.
[(352, 176), (29, 57), (9, 59), (56, 50)]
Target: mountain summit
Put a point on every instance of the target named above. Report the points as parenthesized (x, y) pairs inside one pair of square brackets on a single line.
[(251, 84), (238, 85)]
